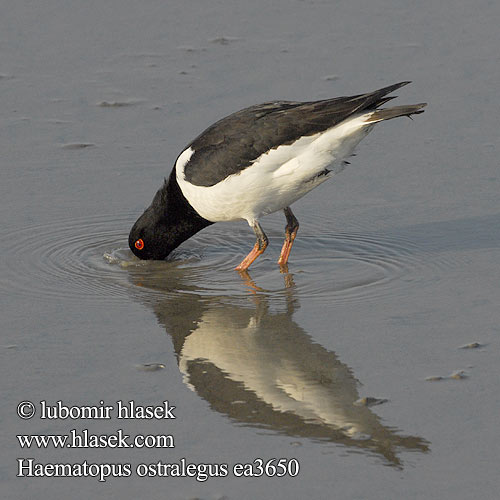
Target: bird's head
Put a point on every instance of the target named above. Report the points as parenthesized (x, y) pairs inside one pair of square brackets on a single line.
[(165, 224), (150, 238)]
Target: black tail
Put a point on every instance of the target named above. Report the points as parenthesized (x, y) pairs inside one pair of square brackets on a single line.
[(376, 98), (388, 113), (373, 100)]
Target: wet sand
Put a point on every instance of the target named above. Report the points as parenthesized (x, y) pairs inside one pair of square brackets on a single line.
[(371, 363)]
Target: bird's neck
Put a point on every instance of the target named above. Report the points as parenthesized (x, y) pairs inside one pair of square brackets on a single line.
[(173, 210)]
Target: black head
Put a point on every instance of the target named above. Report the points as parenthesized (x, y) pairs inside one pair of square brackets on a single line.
[(165, 224), (149, 237)]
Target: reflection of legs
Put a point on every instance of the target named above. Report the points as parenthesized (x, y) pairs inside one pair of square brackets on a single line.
[(250, 283), (258, 249), (292, 226)]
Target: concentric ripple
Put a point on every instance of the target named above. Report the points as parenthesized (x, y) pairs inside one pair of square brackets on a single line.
[(360, 266), (65, 259), (89, 259)]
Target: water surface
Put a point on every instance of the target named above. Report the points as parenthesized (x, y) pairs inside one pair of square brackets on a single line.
[(350, 362)]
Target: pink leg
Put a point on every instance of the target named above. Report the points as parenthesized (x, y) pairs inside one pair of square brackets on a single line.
[(257, 250), (291, 229)]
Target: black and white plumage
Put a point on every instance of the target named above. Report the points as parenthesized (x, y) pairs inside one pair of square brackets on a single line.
[(255, 162)]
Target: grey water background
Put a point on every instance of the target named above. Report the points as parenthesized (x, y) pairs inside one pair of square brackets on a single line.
[(394, 269)]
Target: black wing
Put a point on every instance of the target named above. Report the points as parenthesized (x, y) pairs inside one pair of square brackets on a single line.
[(233, 143)]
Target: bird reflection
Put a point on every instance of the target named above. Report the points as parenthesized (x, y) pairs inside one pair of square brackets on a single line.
[(250, 361)]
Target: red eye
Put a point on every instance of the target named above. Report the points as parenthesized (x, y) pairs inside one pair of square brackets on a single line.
[(139, 244)]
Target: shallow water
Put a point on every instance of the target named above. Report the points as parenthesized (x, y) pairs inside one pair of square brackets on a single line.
[(89, 258), (353, 361)]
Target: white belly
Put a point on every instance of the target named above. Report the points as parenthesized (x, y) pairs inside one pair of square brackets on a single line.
[(277, 178)]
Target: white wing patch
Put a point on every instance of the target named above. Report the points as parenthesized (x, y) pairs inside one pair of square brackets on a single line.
[(277, 178), (183, 159)]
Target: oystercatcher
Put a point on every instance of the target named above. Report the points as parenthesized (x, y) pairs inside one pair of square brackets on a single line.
[(255, 162)]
